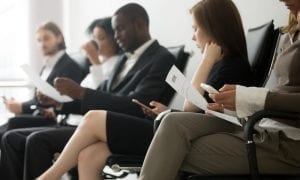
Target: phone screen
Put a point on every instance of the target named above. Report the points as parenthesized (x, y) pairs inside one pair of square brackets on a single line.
[(141, 104)]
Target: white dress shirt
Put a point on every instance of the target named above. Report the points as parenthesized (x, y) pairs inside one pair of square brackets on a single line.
[(99, 73), (50, 62)]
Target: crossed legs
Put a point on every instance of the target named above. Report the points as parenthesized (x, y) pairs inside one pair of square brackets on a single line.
[(87, 148)]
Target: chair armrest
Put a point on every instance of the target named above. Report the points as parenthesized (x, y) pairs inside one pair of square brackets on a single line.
[(249, 130), (256, 117)]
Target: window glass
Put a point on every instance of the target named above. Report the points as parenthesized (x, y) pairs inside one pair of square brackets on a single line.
[(13, 39)]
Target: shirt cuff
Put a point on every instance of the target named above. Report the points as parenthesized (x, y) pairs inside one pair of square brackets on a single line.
[(249, 100)]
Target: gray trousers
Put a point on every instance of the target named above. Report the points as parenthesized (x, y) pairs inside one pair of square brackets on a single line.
[(204, 144)]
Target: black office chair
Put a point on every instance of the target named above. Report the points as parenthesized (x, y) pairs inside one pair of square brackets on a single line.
[(250, 144), (262, 41), (132, 164), (181, 58)]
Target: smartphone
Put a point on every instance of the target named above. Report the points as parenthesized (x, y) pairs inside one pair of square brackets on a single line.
[(141, 104), (209, 88)]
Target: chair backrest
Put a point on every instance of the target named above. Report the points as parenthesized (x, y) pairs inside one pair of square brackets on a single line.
[(261, 44), (181, 59), (180, 55)]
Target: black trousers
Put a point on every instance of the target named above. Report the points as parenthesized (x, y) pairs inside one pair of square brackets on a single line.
[(24, 121), (33, 149)]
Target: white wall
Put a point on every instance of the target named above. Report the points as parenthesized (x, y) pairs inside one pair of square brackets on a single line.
[(41, 11), (256, 12)]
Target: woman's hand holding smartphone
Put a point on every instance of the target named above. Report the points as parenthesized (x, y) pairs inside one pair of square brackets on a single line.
[(146, 109), (211, 90), (152, 112), (141, 104)]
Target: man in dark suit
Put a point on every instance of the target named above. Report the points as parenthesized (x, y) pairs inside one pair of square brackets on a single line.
[(57, 63), (139, 74)]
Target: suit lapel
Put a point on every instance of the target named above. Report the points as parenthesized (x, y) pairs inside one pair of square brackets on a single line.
[(57, 68), (117, 69), (141, 62), (144, 59)]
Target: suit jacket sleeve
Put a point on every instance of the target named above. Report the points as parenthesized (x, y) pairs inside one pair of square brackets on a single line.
[(289, 102), (146, 85)]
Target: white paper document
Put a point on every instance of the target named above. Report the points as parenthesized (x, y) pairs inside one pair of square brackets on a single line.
[(183, 87), (44, 86)]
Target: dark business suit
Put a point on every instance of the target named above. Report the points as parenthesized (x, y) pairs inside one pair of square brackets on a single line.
[(145, 81), (65, 67)]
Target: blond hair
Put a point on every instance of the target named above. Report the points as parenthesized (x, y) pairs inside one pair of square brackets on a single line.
[(291, 24)]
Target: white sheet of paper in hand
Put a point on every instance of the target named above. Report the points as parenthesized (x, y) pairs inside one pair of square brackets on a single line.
[(44, 86), (183, 87)]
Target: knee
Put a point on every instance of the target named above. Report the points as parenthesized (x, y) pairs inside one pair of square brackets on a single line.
[(12, 123), (10, 138), (34, 139), (7, 137), (91, 117), (170, 120), (171, 123)]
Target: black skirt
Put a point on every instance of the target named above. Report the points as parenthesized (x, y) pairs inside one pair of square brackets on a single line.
[(128, 135)]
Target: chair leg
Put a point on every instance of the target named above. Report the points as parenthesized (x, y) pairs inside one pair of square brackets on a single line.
[(253, 169)]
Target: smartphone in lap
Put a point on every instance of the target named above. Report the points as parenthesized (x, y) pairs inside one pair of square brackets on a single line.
[(141, 104)]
